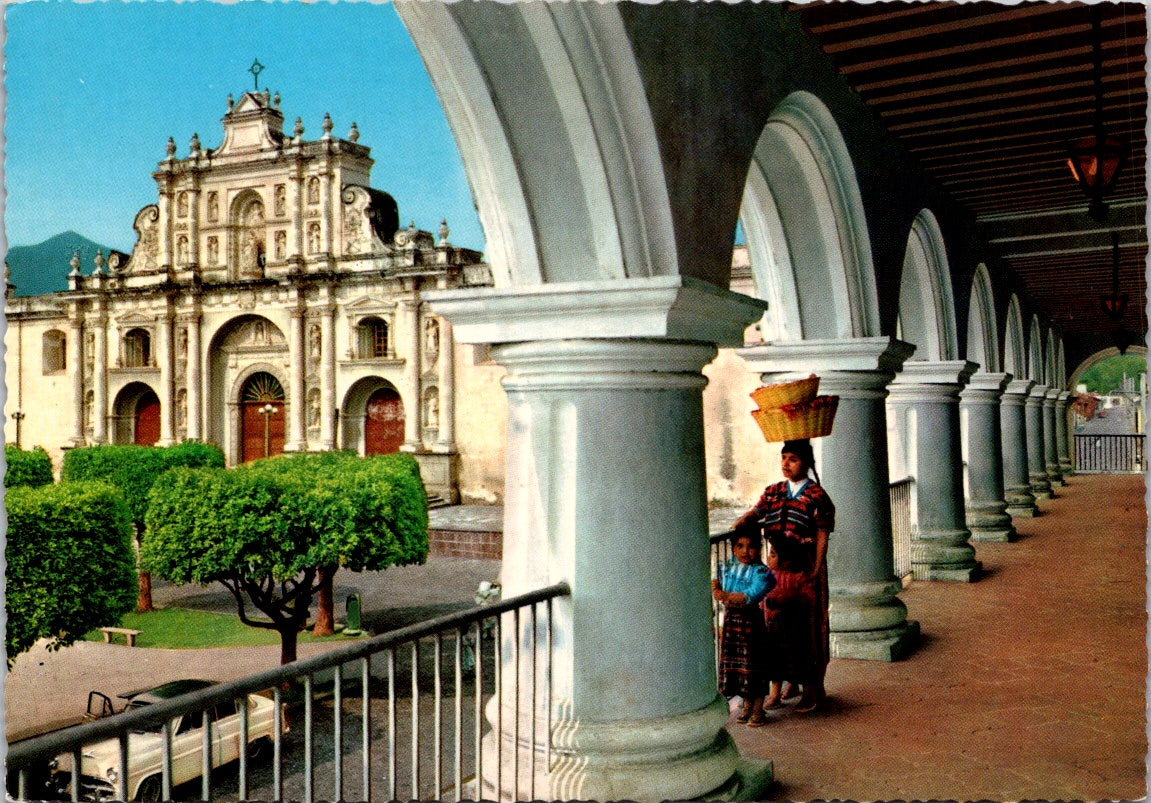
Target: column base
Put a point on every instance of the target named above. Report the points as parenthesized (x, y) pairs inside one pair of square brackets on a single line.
[(752, 779), (876, 645), (1023, 511), (947, 574), (994, 534), (1041, 486)]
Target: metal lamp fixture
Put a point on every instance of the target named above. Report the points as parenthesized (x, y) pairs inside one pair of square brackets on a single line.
[(1095, 160)]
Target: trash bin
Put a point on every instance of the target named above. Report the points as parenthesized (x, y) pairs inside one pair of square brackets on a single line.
[(353, 616)]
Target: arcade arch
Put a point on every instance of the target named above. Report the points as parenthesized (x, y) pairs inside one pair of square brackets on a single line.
[(1014, 342), (982, 331), (803, 217), (926, 304), (372, 417), (136, 415)]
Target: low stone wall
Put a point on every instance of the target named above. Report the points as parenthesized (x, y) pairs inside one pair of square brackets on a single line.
[(465, 544)]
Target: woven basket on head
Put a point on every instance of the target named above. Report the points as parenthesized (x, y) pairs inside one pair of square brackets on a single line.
[(798, 391), (811, 419)]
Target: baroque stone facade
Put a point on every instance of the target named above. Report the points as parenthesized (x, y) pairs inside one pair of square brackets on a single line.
[(272, 302)]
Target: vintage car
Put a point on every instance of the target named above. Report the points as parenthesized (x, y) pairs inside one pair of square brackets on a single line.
[(100, 762)]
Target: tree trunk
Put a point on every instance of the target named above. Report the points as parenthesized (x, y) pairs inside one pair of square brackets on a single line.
[(325, 617), (288, 643), (144, 597)]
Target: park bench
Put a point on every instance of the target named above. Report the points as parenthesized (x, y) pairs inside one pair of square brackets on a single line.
[(128, 633)]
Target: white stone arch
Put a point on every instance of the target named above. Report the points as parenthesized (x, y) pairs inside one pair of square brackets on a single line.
[(982, 328), (1036, 365), (1102, 354), (1014, 341), (582, 172), (926, 303), (806, 228), (1061, 364), (1051, 362)]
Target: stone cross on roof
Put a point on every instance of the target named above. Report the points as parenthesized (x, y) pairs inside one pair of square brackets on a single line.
[(255, 70)]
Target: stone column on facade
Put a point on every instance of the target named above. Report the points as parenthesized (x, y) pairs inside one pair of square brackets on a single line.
[(868, 620), (328, 374), (327, 201), (297, 406), (194, 377), (601, 433), (298, 220), (1013, 424), (75, 364), (987, 516), (1063, 435), (1036, 450), (940, 545), (166, 222), (100, 379), (446, 441), (413, 407), (1051, 437), (194, 223), (166, 355)]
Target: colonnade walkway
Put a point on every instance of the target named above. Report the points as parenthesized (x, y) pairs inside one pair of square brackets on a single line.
[(1028, 684)]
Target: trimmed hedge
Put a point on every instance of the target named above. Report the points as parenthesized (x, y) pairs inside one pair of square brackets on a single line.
[(27, 468), (71, 566)]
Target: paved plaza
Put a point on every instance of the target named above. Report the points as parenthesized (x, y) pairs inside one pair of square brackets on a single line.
[(1029, 684)]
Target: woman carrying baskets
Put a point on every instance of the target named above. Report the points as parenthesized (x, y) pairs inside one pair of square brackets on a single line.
[(796, 516)]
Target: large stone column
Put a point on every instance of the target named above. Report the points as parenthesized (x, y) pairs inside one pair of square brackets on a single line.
[(1036, 451), (987, 517), (100, 379), (194, 376), (166, 354), (74, 360), (868, 620), (1012, 420), (1051, 438), (606, 490), (413, 405), (446, 441), (328, 374), (940, 546), (1063, 435), (297, 406)]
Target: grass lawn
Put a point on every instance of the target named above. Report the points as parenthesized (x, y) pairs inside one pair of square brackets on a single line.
[(183, 629)]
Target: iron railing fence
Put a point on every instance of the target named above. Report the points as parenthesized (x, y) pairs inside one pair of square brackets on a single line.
[(900, 492), (1110, 454), (432, 680)]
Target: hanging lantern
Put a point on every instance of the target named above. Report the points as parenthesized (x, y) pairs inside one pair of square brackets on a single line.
[(1114, 305), (1095, 163)]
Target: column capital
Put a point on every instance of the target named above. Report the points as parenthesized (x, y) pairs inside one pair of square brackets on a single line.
[(659, 307), (1038, 392), (1064, 395), (947, 373), (882, 355), (623, 364), (1053, 394), (985, 387), (1019, 387)]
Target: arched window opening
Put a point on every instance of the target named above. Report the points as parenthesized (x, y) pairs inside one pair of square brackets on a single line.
[(137, 349), (373, 336), (54, 346)]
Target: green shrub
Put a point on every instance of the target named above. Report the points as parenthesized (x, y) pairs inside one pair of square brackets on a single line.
[(32, 468), (71, 566)]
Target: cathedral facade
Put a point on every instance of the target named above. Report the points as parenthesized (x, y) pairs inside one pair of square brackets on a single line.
[(271, 303)]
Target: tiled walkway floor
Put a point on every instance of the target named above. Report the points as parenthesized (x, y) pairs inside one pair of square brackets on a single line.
[(1029, 684)]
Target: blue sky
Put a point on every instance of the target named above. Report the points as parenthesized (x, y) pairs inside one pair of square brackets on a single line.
[(94, 90)]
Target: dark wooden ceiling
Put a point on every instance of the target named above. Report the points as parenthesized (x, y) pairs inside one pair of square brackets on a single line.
[(988, 97)]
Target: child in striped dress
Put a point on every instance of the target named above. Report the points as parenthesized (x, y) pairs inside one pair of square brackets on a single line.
[(742, 583)]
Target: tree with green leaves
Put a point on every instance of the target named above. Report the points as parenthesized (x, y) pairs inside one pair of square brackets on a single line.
[(31, 468), (264, 530), (133, 469), (70, 563), (1107, 374)]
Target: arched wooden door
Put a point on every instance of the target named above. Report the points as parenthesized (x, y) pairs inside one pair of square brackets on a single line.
[(384, 422), (147, 428), (262, 417)]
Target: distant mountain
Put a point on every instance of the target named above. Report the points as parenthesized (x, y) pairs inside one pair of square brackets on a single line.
[(44, 268)]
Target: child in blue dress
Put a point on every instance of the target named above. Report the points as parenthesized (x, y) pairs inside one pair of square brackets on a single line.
[(742, 584)]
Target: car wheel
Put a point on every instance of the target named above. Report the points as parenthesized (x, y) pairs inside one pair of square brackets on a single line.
[(149, 789), (260, 748)]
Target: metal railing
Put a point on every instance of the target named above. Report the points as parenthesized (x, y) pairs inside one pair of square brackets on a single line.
[(454, 665), (901, 527), (1110, 454)]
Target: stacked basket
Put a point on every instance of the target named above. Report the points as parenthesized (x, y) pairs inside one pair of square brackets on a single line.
[(792, 410)]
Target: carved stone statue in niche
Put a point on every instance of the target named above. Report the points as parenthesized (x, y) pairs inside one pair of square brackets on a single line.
[(314, 342), (313, 238), (184, 342), (279, 199), (182, 250), (281, 246), (431, 338), (252, 241), (432, 409), (313, 190), (90, 408), (182, 205), (314, 407), (181, 408), (213, 251), (213, 207)]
